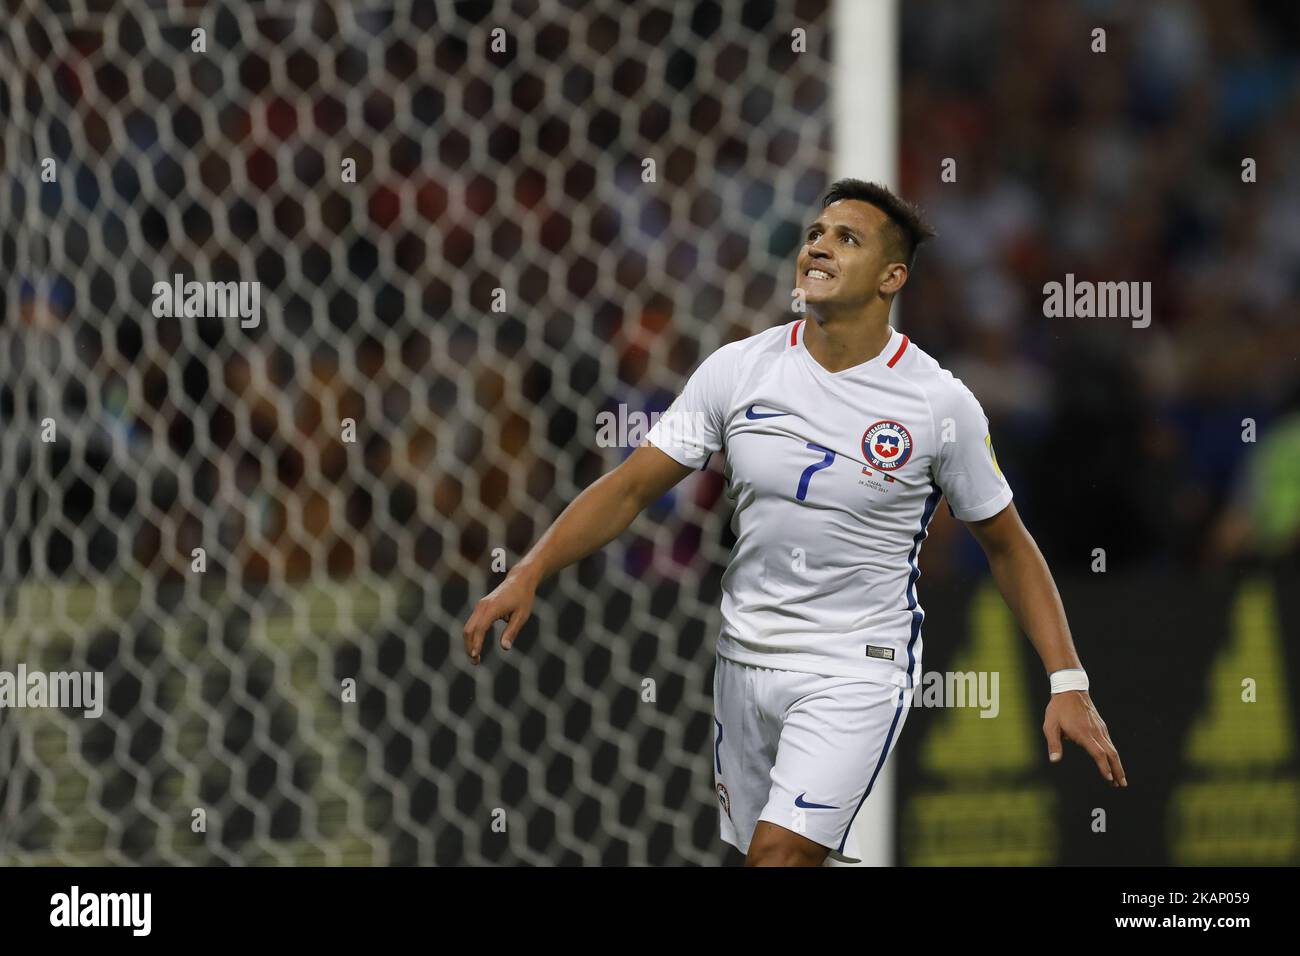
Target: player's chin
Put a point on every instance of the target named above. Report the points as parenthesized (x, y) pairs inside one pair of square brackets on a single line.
[(812, 292)]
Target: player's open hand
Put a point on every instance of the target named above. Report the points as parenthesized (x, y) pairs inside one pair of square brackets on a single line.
[(1071, 713), (512, 602)]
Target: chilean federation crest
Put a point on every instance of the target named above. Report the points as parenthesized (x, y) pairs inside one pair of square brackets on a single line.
[(887, 445)]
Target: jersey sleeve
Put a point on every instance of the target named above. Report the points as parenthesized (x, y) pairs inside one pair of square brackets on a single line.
[(966, 467), (693, 427)]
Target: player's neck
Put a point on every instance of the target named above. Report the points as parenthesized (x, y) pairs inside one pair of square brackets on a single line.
[(838, 342)]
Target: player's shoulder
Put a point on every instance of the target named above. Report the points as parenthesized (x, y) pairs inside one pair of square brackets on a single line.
[(751, 346), (923, 371)]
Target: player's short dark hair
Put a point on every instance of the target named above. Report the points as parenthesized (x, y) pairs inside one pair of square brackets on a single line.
[(905, 228)]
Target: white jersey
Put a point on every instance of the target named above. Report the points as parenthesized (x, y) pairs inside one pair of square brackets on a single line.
[(835, 477)]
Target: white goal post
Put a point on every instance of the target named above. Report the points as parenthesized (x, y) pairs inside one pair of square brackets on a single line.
[(866, 98)]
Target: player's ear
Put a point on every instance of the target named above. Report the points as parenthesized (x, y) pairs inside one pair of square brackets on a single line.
[(895, 278)]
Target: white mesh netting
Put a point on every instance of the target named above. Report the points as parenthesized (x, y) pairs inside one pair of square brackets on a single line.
[(334, 555)]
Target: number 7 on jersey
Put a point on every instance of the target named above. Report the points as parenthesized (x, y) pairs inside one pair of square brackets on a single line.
[(802, 493)]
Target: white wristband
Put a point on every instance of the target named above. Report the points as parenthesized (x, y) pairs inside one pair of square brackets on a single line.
[(1073, 678)]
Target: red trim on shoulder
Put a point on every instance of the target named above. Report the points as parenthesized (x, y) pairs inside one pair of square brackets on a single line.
[(794, 333), (899, 354)]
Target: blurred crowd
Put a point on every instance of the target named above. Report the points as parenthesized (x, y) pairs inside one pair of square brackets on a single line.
[(1169, 445)]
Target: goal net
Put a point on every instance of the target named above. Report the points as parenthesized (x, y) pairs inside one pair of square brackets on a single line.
[(313, 316)]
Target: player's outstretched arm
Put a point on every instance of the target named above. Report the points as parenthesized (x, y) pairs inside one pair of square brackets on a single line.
[(1026, 584), (597, 516)]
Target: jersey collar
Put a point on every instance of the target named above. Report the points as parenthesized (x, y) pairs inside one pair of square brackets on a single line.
[(894, 348)]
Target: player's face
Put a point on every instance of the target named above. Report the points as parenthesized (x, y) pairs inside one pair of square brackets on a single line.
[(842, 260)]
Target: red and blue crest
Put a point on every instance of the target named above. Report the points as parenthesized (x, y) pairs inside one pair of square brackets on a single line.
[(887, 445)]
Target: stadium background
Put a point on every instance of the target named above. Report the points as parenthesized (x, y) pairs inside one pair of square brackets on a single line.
[(332, 560)]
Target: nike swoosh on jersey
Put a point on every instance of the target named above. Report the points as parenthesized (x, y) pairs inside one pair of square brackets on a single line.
[(751, 414), (799, 802)]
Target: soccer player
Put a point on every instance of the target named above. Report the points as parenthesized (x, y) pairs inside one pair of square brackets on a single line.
[(841, 437)]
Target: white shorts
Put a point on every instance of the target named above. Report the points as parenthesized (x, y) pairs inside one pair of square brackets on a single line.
[(799, 750)]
